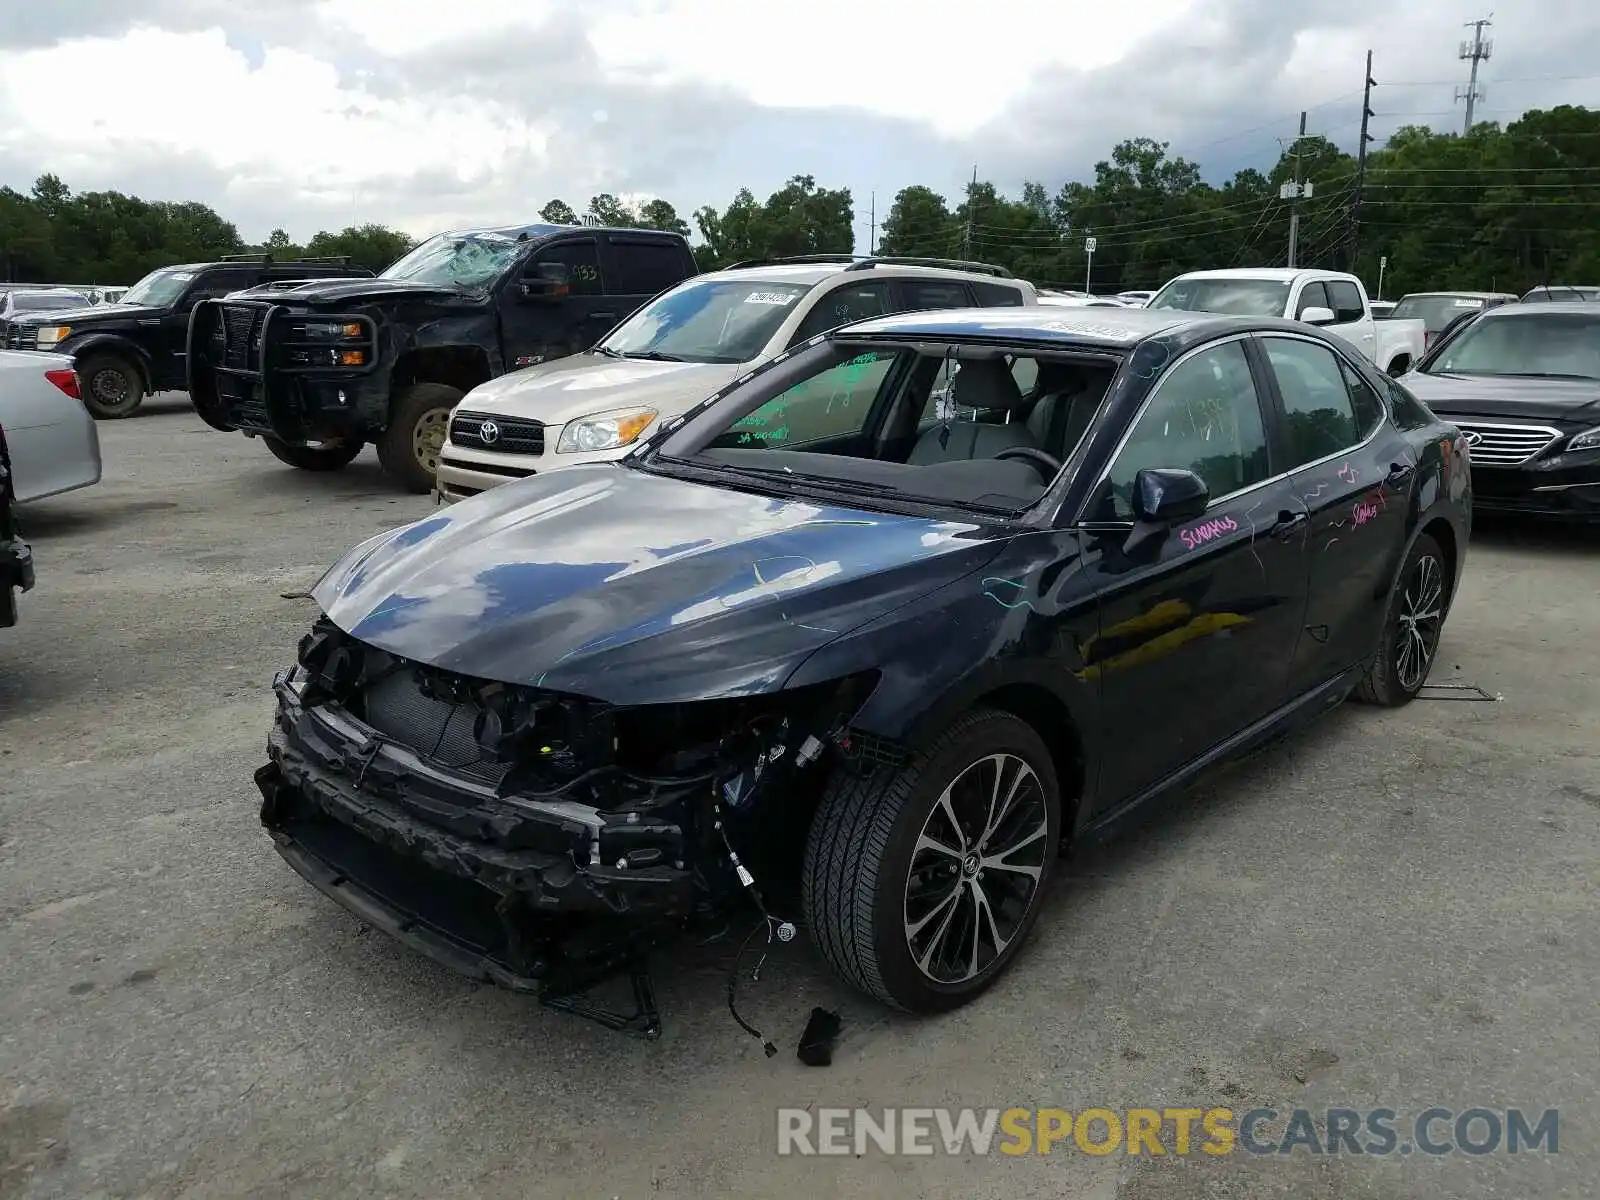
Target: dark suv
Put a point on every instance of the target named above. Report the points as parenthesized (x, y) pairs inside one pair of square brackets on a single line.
[(128, 350), (319, 369)]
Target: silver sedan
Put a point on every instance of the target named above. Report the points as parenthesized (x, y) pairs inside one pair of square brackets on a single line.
[(54, 444)]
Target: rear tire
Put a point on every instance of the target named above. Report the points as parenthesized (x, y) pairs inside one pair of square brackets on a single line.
[(418, 420), (329, 456), (919, 910), (112, 387), (1412, 626)]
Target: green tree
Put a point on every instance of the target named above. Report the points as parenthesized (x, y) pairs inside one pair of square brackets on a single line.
[(559, 212), (919, 223), (658, 214), (608, 210), (370, 246)]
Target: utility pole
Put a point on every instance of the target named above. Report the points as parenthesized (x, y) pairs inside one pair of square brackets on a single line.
[(872, 225), (1292, 192), (966, 242), (1361, 164), (1477, 50)]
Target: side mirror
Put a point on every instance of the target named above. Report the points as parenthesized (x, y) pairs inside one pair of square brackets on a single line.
[(1318, 316), (545, 282), (1164, 497)]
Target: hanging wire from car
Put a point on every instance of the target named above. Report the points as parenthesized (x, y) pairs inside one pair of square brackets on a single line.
[(776, 929)]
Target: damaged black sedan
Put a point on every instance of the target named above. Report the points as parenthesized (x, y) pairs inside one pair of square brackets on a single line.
[(867, 639)]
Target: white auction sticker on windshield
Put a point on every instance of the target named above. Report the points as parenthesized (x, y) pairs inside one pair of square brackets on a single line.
[(1469, 303), (770, 298), (183, 276)]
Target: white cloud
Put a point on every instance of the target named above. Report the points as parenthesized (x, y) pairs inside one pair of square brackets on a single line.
[(313, 113), (291, 121)]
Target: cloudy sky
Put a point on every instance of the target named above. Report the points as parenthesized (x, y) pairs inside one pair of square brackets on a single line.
[(308, 114)]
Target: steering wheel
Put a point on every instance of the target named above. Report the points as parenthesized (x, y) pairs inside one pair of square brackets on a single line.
[(1049, 462)]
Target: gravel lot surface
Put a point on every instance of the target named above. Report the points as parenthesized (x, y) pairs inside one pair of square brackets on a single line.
[(1391, 910)]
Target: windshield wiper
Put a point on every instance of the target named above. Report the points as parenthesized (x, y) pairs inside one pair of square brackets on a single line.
[(652, 356), (607, 351), (1548, 375), (806, 477)]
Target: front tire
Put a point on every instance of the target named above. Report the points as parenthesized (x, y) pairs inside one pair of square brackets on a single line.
[(112, 387), (1412, 625), (920, 886), (418, 421), (328, 456)]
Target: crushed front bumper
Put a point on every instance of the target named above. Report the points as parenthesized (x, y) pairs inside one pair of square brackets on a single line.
[(506, 890)]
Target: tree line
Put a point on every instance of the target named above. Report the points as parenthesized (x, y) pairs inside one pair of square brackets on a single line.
[(1501, 208)]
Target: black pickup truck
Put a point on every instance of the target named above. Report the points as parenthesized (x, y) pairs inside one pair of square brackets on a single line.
[(317, 370), (126, 351)]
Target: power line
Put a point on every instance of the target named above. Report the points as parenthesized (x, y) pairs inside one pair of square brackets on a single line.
[(1475, 51)]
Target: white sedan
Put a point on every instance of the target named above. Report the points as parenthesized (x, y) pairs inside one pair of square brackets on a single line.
[(54, 444)]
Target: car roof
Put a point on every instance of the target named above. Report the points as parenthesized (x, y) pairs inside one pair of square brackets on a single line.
[(1467, 295), (813, 273), (1276, 274), (1045, 325), (1586, 307), (538, 230)]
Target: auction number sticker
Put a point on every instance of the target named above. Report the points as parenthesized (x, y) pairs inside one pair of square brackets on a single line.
[(783, 298)]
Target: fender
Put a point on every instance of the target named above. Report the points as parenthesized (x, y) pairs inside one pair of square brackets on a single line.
[(111, 343)]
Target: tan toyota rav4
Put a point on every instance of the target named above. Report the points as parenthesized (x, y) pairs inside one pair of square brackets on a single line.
[(680, 348)]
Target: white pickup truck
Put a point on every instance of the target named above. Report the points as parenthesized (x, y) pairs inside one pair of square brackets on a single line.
[(1330, 299)]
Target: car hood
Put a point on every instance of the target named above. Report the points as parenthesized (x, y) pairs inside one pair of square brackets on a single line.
[(558, 391), (102, 314), (1510, 396), (633, 588), (346, 291)]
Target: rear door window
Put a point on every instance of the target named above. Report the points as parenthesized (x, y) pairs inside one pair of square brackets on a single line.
[(996, 295), (843, 305), (644, 268), (920, 294)]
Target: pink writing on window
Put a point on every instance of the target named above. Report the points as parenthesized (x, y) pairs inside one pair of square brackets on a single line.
[(1201, 534)]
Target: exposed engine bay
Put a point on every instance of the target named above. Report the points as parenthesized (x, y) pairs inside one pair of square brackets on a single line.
[(534, 839)]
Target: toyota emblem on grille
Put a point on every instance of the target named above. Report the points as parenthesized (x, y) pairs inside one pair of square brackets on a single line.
[(488, 433), (1471, 437)]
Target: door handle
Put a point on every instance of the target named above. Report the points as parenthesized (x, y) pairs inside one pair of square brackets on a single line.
[(1288, 524), (1398, 474)]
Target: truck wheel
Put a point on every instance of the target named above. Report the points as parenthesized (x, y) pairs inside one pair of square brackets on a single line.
[(325, 456), (418, 420), (112, 386), (920, 885)]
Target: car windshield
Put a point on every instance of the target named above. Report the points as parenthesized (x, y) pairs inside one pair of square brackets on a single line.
[(969, 427), (1548, 343), (46, 301), (159, 288), (1435, 312), (1239, 297), (708, 321), (470, 259)]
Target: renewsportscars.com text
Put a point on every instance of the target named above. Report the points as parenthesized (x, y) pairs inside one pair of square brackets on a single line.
[(1434, 1131)]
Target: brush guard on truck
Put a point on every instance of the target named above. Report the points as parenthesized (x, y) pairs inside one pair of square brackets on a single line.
[(248, 361)]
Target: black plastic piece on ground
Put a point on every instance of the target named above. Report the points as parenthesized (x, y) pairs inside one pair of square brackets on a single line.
[(816, 1043)]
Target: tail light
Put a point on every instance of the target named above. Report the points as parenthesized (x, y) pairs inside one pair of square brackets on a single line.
[(67, 380)]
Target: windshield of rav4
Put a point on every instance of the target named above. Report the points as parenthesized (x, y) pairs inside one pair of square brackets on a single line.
[(706, 321), (967, 427), (1550, 344), (159, 288), (470, 259), (1239, 297)]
